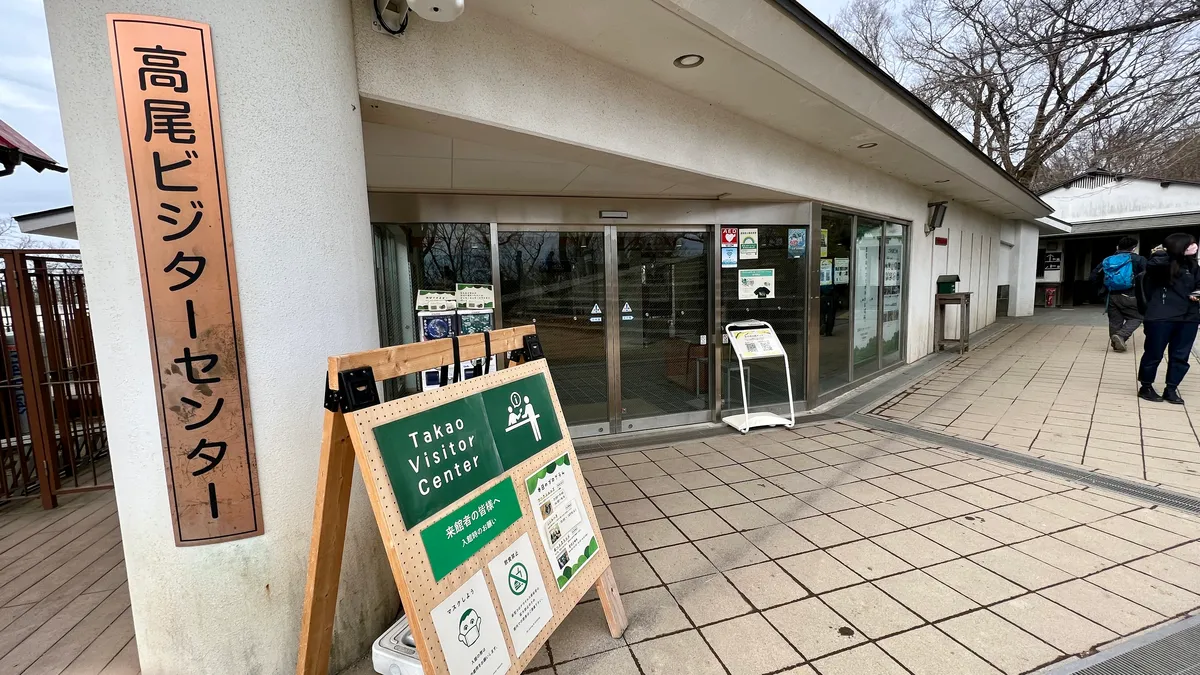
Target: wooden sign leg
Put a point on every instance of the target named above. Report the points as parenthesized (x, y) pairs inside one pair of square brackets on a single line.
[(610, 601), (334, 479)]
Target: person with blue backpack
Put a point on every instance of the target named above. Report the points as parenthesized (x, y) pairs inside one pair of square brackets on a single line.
[(1120, 274)]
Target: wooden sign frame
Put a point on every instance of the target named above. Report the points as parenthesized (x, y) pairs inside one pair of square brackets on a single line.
[(347, 436)]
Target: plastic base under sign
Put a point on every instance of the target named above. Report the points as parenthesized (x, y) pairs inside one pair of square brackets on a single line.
[(395, 653), (744, 423)]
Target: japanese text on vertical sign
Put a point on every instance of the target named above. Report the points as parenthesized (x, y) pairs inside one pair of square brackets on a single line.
[(167, 105)]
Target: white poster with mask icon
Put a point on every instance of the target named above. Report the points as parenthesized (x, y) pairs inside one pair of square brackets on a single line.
[(469, 630)]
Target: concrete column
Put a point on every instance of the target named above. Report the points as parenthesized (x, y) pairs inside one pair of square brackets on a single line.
[(298, 205), (1023, 275)]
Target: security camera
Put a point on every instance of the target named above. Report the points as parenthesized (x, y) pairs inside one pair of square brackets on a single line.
[(437, 10)]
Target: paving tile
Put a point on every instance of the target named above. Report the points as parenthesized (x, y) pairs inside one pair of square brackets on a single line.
[(652, 534), (767, 467), (946, 505), (905, 512), (644, 470), (1065, 506), (635, 511), (1170, 569), (928, 597), (757, 490), (734, 473), (659, 485), (899, 485), (979, 496), (678, 503), (1189, 552), (914, 549), (1020, 568), (819, 571), (652, 612), (1183, 526), (748, 645), (582, 633), (1102, 544), (718, 496), (813, 628), (618, 492), (1012, 488), (679, 653), (934, 478), (1138, 532), (865, 660), (823, 531), (701, 525), (787, 508), (778, 541), (677, 465), (1105, 608), (694, 480), (711, 460), (975, 582), (871, 610), (1036, 518), (729, 551), (746, 516), (827, 501), (997, 527), (1000, 642), (800, 462), (794, 483), (617, 542), (868, 559), (600, 477), (709, 599), (675, 563), (866, 522), (1056, 625), (627, 458), (1070, 559), (604, 517), (928, 651), (633, 573), (766, 585)]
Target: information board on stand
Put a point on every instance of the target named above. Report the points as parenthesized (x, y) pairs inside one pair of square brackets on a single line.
[(479, 499), (753, 340)]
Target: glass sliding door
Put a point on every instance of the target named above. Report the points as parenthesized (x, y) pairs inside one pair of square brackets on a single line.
[(556, 280), (835, 251), (893, 291), (868, 257), (662, 300)]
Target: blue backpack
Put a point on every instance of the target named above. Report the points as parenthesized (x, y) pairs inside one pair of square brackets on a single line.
[(1118, 272)]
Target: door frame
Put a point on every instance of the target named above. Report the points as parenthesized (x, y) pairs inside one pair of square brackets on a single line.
[(612, 329)]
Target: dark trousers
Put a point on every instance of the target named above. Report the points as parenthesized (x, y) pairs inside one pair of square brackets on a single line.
[(1123, 315), (1173, 337), (828, 314)]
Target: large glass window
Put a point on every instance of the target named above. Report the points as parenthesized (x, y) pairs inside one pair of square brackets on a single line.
[(782, 255), (868, 240), (893, 291)]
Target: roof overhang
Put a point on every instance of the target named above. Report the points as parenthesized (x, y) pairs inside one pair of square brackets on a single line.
[(1112, 226), (773, 62), (15, 150), (58, 222)]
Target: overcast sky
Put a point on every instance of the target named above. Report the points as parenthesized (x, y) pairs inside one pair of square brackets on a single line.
[(29, 105)]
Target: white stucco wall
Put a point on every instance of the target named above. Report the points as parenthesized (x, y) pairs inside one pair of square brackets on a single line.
[(293, 156), (1126, 198)]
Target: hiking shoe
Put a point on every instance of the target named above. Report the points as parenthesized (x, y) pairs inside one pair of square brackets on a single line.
[(1171, 395), (1117, 342), (1147, 392)]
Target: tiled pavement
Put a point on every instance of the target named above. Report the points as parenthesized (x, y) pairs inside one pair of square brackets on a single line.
[(64, 605), (835, 549), (1059, 392)]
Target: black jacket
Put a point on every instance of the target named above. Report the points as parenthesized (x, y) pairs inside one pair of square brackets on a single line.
[(1168, 299), (1139, 268)]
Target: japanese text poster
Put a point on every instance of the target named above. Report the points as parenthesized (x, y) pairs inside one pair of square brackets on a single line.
[(469, 630), (562, 521)]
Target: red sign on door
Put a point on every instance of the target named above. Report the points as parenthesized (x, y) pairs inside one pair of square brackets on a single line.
[(729, 236)]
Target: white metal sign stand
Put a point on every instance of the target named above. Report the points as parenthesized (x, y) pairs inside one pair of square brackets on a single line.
[(757, 340)]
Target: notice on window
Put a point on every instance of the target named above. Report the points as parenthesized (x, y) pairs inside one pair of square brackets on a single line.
[(729, 258), (797, 242), (475, 296), (756, 284), (563, 523), (748, 243), (436, 301), (824, 242), (756, 343), (826, 272), (522, 592), (469, 630), (841, 270)]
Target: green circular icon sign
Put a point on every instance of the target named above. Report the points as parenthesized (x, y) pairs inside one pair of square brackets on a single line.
[(518, 578)]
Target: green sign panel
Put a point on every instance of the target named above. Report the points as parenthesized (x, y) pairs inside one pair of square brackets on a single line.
[(454, 538), (437, 456)]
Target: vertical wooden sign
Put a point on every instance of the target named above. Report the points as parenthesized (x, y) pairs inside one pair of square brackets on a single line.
[(167, 106)]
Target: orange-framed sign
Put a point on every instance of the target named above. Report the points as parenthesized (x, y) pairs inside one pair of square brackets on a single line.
[(171, 129)]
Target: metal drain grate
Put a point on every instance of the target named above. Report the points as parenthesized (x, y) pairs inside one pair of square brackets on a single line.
[(1119, 485), (1172, 650)]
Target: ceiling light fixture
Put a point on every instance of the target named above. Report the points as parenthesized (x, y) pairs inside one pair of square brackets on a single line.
[(864, 146), (689, 61), (944, 180)]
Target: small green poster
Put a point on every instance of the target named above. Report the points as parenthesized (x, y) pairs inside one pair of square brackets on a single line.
[(454, 538)]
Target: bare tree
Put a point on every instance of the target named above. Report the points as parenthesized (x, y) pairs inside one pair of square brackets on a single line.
[(1036, 83)]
